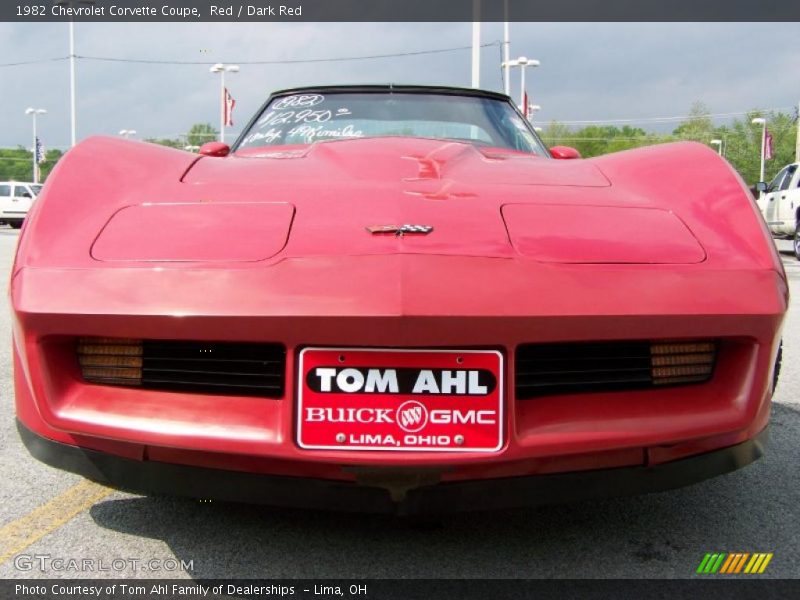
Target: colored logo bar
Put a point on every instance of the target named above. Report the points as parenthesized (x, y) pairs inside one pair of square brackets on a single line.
[(734, 563)]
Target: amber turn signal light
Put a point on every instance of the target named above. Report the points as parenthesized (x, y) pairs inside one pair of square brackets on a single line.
[(682, 362), (111, 361)]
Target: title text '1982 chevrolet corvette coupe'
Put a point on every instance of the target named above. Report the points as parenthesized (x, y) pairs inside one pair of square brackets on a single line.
[(394, 299)]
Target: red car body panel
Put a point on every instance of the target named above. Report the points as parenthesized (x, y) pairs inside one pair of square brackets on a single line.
[(131, 240)]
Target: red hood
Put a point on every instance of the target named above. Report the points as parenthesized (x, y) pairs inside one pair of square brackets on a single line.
[(264, 206), (336, 190), (410, 165)]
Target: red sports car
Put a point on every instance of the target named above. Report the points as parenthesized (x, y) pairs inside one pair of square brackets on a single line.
[(394, 299)]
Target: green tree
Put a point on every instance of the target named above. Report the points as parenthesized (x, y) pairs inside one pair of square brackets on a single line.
[(741, 139), (16, 164), (556, 134), (200, 133), (595, 140), (698, 127), (743, 144), (172, 143)]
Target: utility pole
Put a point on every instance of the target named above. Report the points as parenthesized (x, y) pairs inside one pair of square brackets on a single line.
[(476, 43), (506, 53), (73, 115), (73, 110)]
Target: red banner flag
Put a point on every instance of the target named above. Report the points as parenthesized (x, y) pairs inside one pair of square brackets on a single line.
[(525, 104), (227, 107), (768, 147)]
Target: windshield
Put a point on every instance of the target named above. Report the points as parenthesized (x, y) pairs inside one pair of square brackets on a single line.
[(308, 118), (36, 188)]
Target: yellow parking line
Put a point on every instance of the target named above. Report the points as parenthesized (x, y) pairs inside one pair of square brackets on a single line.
[(19, 534)]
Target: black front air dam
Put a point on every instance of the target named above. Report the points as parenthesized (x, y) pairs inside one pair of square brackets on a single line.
[(149, 477)]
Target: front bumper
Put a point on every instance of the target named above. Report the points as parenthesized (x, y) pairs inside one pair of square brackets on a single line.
[(224, 440), (410, 493)]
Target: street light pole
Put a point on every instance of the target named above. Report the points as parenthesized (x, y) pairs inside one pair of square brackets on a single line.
[(522, 62), (34, 112), (221, 69), (763, 122)]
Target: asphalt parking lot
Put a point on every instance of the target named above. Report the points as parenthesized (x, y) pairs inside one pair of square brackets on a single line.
[(48, 513)]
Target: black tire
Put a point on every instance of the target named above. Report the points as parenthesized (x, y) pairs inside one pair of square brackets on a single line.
[(776, 373), (15, 224), (796, 242)]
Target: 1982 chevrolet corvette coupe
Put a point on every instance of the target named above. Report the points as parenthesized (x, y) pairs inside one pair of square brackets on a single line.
[(394, 299)]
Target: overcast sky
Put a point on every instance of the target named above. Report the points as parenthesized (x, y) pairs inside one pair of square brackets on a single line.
[(588, 70)]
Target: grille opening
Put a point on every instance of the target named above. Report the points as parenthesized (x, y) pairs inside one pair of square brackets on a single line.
[(236, 368), (564, 368)]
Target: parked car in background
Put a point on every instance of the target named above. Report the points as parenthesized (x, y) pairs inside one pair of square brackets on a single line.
[(780, 205), (16, 198)]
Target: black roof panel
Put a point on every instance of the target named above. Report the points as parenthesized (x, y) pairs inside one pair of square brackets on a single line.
[(389, 88)]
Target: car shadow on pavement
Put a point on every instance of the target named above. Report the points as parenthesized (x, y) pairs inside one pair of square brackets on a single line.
[(756, 509)]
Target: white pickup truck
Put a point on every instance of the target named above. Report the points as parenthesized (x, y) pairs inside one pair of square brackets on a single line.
[(779, 202), (16, 198)]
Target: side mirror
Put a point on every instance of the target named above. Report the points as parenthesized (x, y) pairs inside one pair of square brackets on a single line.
[(218, 149), (564, 152), (761, 186)]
